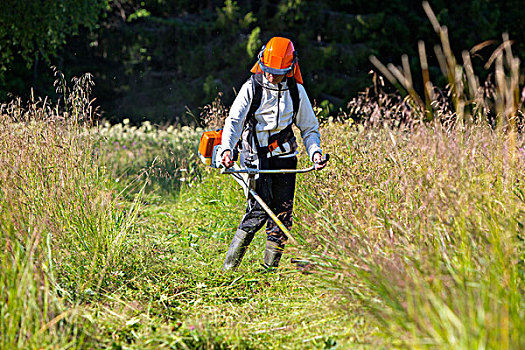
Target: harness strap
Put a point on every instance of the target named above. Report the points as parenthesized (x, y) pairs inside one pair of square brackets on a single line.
[(257, 94), (294, 93), (278, 140), (256, 102), (285, 135)]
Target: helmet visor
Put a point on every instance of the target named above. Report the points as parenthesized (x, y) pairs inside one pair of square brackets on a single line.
[(275, 71)]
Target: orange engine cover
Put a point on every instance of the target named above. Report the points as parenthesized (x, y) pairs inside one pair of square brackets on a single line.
[(209, 140)]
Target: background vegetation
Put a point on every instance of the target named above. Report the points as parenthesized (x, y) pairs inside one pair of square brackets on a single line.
[(153, 59)]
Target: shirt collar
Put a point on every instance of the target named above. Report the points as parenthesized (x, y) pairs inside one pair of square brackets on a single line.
[(266, 83)]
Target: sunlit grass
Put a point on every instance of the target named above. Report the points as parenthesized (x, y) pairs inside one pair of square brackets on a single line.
[(423, 222), (415, 234), (426, 230), (51, 192), (162, 158)]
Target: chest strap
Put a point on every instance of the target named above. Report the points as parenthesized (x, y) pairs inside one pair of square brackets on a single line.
[(278, 140)]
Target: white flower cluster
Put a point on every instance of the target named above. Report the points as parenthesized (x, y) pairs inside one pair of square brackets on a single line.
[(126, 133), (165, 152)]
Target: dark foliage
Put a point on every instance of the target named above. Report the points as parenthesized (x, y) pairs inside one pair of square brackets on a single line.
[(157, 59)]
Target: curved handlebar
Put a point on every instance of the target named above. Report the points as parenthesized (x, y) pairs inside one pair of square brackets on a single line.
[(324, 160)]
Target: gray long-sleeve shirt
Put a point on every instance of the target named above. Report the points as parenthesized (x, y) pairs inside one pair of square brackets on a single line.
[(273, 115)]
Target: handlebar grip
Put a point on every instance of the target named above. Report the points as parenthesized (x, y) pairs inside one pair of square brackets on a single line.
[(325, 159)]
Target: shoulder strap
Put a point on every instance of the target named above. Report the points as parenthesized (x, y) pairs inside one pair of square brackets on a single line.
[(256, 80), (250, 120), (294, 93), (257, 95)]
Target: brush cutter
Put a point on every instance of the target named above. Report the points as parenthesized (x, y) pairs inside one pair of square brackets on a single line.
[(209, 152)]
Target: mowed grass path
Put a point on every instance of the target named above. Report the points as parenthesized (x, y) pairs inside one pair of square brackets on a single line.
[(172, 289), (182, 278)]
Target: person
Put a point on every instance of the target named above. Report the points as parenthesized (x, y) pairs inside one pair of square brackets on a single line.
[(263, 113)]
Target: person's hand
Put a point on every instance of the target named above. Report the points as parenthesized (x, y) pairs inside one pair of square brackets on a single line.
[(226, 160), (317, 161)]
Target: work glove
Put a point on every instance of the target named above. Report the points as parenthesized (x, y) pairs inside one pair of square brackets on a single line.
[(318, 161), (226, 160)]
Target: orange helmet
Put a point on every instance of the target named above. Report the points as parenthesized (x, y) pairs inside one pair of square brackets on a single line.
[(278, 57)]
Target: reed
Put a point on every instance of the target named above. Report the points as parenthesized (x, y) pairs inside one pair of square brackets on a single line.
[(465, 100)]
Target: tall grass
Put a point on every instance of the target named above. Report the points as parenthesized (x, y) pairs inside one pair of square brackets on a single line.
[(426, 230), (62, 229), (424, 223), (466, 100), (159, 158)]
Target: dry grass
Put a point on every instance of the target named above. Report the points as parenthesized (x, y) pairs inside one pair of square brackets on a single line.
[(62, 229), (420, 215), (426, 230)]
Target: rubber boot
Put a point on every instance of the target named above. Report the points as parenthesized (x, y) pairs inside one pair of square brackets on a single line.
[(238, 246), (272, 254)]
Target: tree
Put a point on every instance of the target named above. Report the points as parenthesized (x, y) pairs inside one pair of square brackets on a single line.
[(34, 30)]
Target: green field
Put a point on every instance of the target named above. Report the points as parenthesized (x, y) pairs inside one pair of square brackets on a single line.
[(114, 237)]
